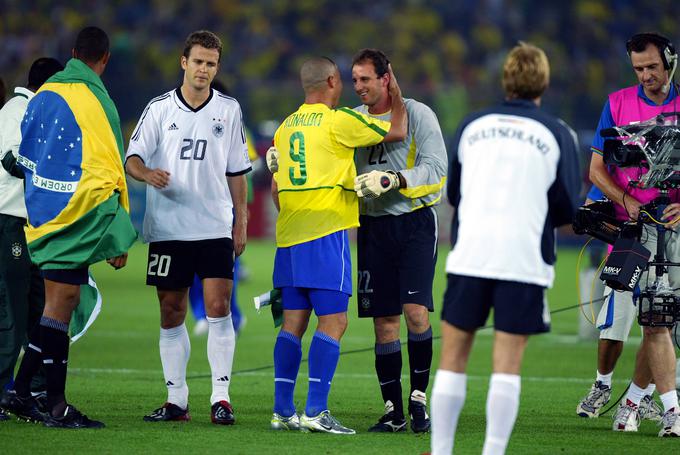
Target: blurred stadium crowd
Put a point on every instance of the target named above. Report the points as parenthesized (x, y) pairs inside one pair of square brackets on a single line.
[(447, 54)]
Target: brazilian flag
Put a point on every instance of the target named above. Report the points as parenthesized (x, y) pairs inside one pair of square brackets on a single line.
[(71, 152), (76, 194)]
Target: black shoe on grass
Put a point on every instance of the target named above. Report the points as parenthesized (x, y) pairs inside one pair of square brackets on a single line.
[(23, 408), (417, 410), (389, 423), (71, 419), (168, 412), (222, 413)]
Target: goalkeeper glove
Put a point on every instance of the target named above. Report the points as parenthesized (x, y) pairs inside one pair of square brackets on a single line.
[(375, 183), (272, 158)]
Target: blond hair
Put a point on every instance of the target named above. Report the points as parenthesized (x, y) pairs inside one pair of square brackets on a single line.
[(526, 72)]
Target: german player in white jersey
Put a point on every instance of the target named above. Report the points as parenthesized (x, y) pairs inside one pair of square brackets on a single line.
[(513, 178), (189, 147)]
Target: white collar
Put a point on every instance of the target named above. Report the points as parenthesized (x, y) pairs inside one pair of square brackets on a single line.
[(24, 92)]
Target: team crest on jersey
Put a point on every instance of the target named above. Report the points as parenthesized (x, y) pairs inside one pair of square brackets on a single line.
[(218, 129), (16, 250)]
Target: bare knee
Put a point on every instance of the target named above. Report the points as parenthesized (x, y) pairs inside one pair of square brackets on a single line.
[(217, 307), (333, 325), (173, 308), (295, 322), (386, 329), (456, 347), (60, 300), (417, 318), (508, 351), (216, 296)]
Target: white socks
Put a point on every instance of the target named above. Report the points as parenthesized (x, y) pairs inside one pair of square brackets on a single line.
[(650, 389), (448, 398), (221, 345), (175, 349), (605, 379), (669, 400), (502, 404), (635, 393)]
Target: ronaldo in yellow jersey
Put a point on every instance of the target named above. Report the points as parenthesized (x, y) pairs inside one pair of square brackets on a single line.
[(314, 192)]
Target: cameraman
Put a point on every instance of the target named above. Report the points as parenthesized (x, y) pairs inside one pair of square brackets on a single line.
[(653, 59)]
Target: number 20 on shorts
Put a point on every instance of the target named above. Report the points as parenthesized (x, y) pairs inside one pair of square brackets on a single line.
[(159, 265)]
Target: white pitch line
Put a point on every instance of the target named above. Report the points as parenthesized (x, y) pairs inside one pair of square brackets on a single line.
[(368, 376)]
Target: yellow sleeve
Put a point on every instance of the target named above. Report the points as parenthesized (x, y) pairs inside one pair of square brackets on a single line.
[(354, 129), (252, 152)]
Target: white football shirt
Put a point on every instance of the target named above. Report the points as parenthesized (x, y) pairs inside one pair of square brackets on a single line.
[(199, 148)]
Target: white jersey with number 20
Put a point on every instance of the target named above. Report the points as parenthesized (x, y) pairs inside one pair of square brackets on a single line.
[(198, 147)]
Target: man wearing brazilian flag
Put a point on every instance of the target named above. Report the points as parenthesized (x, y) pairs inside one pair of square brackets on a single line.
[(78, 212)]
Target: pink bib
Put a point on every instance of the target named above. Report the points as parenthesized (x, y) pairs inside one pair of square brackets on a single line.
[(627, 108)]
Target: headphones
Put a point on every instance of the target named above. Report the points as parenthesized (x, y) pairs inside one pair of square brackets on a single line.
[(669, 56)]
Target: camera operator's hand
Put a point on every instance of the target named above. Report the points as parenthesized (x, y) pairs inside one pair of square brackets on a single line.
[(671, 214), (632, 207)]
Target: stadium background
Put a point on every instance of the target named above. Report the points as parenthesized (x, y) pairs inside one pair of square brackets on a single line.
[(445, 53)]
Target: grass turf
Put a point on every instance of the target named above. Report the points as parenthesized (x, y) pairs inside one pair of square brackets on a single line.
[(115, 375)]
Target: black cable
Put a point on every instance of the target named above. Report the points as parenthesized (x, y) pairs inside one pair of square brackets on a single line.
[(617, 400), (362, 350)]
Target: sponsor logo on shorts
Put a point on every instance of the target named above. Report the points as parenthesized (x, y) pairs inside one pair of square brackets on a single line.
[(365, 303)]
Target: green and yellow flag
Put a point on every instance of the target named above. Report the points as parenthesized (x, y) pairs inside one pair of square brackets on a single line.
[(76, 194)]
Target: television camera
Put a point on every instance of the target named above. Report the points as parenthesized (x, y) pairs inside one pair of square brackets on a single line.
[(653, 147)]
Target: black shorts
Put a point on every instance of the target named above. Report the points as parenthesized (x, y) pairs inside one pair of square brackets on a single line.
[(519, 308), (172, 264), (67, 276), (396, 260)]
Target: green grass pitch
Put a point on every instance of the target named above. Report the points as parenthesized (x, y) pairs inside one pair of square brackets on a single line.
[(115, 375)]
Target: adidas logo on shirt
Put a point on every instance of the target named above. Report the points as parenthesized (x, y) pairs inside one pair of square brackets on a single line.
[(173, 127)]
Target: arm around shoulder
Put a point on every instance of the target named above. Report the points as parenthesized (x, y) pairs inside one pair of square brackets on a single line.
[(399, 121)]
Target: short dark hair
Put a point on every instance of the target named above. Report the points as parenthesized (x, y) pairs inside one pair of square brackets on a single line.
[(204, 38), (640, 41), (92, 44), (375, 56), (41, 70)]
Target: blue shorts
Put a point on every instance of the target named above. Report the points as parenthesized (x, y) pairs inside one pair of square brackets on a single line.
[(324, 263), (519, 308), (322, 301)]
